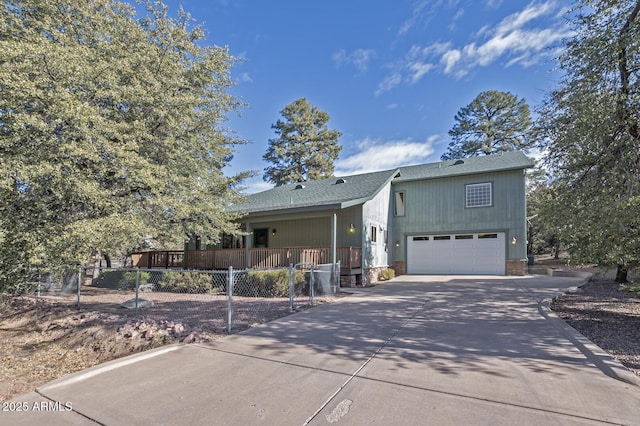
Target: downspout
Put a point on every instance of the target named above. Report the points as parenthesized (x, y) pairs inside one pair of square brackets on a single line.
[(334, 238)]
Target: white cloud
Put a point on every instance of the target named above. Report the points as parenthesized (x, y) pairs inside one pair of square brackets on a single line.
[(459, 14), (518, 20), (339, 57), (413, 68), (423, 12), (421, 53), (375, 155), (416, 15), (450, 59), (513, 39), (524, 38), (245, 78), (418, 70), (389, 83), (251, 187), (359, 58)]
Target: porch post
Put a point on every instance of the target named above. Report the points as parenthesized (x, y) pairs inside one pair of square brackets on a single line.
[(247, 246), (334, 238)]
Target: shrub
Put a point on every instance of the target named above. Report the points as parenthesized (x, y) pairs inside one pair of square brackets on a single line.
[(270, 283), (120, 280), (632, 287), (186, 282), (387, 274)]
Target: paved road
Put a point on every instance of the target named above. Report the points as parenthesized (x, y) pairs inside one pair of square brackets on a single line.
[(415, 351)]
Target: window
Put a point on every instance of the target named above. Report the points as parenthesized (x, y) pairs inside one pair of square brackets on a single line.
[(420, 238), (399, 204), (464, 237), (485, 236), (479, 195), (374, 234), (441, 237)]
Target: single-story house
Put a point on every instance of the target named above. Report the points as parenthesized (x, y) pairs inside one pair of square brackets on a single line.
[(450, 217)]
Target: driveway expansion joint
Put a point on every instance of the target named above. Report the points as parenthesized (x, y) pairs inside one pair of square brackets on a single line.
[(355, 374)]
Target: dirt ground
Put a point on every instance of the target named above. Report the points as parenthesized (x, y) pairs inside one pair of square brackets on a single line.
[(607, 315), (41, 339), (601, 310)]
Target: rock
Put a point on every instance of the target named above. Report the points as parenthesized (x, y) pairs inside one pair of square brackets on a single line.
[(191, 338), (178, 329), (142, 303)]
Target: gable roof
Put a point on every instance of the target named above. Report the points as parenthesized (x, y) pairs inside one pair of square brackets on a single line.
[(514, 160), (328, 194), (318, 194)]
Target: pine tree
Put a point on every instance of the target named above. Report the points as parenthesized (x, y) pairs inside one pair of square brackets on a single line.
[(305, 148), (493, 122)]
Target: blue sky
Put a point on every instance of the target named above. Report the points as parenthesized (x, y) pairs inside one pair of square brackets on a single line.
[(391, 74)]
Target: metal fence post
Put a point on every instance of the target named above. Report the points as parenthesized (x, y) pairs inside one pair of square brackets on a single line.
[(230, 299), (137, 288), (336, 277), (291, 286), (312, 286), (79, 281)]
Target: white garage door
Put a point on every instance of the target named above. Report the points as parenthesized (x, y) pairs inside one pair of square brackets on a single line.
[(482, 253)]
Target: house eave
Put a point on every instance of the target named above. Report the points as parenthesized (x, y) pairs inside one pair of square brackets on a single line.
[(292, 210), (465, 173)]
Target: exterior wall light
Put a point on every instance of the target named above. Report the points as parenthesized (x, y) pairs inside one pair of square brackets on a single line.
[(274, 232), (397, 243), (514, 240), (352, 229)]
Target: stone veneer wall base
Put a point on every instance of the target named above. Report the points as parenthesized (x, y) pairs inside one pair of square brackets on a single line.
[(517, 267), (400, 266)]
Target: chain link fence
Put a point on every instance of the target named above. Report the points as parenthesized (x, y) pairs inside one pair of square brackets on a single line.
[(210, 300)]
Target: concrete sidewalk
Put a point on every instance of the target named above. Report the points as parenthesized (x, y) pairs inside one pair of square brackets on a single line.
[(417, 350)]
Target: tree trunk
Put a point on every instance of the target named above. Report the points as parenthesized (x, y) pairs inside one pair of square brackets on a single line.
[(108, 260), (96, 265), (621, 274)]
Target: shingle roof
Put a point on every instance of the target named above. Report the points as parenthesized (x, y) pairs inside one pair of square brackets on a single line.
[(513, 160), (324, 194), (357, 189)]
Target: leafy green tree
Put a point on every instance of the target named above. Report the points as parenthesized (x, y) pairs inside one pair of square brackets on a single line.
[(305, 148), (593, 139), (111, 132), (493, 122), (542, 236)]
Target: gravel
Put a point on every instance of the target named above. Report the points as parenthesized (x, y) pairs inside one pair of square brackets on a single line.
[(607, 315)]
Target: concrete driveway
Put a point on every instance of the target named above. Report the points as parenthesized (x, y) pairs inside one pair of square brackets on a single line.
[(414, 351)]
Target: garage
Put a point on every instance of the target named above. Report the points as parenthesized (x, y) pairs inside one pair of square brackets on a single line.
[(473, 253)]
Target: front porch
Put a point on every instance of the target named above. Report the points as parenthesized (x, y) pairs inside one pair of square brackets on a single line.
[(350, 258)]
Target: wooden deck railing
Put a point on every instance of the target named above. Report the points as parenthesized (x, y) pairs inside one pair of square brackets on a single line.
[(350, 258)]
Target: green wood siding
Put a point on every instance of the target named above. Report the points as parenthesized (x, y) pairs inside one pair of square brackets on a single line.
[(312, 229), (298, 232), (346, 217), (438, 206)]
